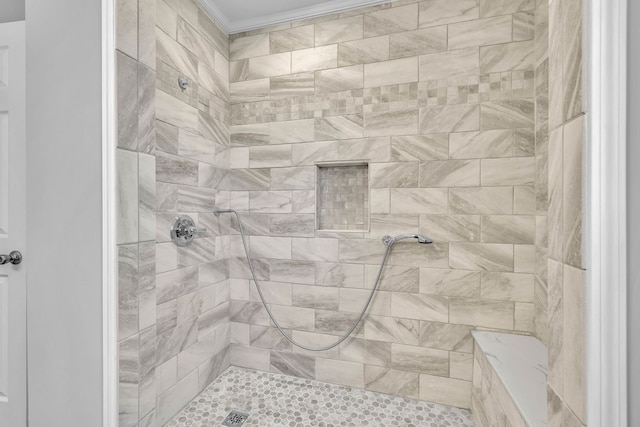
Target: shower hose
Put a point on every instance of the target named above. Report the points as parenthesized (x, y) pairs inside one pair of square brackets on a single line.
[(388, 243)]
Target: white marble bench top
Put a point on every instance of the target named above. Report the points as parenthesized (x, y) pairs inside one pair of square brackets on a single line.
[(521, 363)]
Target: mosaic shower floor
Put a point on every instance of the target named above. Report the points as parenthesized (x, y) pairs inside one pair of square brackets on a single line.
[(278, 400)]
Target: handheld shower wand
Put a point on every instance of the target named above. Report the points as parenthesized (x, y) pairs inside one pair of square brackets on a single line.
[(389, 241)]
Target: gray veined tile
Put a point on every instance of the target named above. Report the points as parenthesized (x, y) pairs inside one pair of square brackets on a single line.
[(189, 37), (249, 47), (415, 148), (339, 30), (482, 144), (363, 51), (391, 381), (524, 26), (253, 134), (439, 12), (317, 297), (507, 286), (249, 91), (195, 147), (146, 194), (481, 256), (339, 127), (480, 32), (451, 118), (419, 359), (290, 85), (572, 58), (174, 169), (392, 20), (481, 200), (382, 224), (504, 7), (292, 131), (127, 102), (433, 308), (397, 71), (146, 109), (249, 179), (292, 39), (391, 123), (270, 202), (509, 114), (175, 112), (488, 314), (298, 365), (211, 80), (508, 229), (271, 65), (507, 57), (213, 129), (396, 174), (451, 283), (166, 137), (418, 42), (293, 178), (212, 31), (572, 188), (455, 63), (128, 198), (446, 336), (166, 19), (238, 70), (314, 59), (127, 28), (508, 171), (339, 79), (271, 156), (177, 56), (372, 149), (128, 291), (340, 372), (435, 255), (451, 228), (390, 329), (369, 352), (450, 173), (294, 225)]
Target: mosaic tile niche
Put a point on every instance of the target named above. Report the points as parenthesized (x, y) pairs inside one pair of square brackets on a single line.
[(343, 197)]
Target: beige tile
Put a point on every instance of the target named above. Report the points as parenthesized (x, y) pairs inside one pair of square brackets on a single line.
[(573, 340), (419, 200), (249, 47), (500, 7), (482, 144), (510, 114), (524, 200), (572, 191), (340, 372), (488, 314), (339, 127), (314, 59), (446, 391), (419, 359), (363, 51), (572, 58), (393, 174), (456, 283), (414, 148), (507, 286), (524, 25), (438, 12), (481, 256), (480, 32), (166, 19), (507, 57), (127, 27), (270, 65), (291, 39), (292, 131), (487, 200), (390, 329), (292, 85), (451, 118), (339, 30), (524, 258), (392, 20), (456, 63), (508, 229), (418, 42), (391, 381), (352, 301), (249, 91), (271, 156), (461, 365), (270, 202), (339, 79), (314, 249), (446, 336), (450, 173), (451, 228), (251, 135), (368, 352), (391, 72), (390, 123), (420, 307), (524, 316), (175, 55)]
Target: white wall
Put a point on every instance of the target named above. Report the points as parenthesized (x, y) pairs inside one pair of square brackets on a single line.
[(64, 212), (12, 10), (633, 199)]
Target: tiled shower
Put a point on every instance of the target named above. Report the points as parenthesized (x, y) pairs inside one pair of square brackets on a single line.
[(457, 119)]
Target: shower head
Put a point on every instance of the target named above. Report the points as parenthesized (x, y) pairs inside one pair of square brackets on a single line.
[(388, 240)]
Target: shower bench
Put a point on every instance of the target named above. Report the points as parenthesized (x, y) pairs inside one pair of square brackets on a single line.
[(509, 380)]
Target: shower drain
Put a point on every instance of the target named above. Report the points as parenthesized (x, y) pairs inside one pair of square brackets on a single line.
[(235, 419)]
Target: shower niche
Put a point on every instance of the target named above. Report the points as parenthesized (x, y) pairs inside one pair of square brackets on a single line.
[(342, 191)]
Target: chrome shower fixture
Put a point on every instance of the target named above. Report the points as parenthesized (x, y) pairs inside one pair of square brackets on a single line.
[(389, 241)]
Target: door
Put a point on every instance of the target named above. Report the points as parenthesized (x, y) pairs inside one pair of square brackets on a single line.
[(13, 333)]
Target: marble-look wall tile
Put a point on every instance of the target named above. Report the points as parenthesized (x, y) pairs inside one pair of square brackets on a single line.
[(127, 102), (481, 200), (292, 39), (340, 372), (396, 71), (481, 256), (572, 191), (339, 79), (489, 314), (249, 47), (418, 42), (390, 329), (356, 52), (508, 171), (453, 118), (146, 109), (393, 20), (270, 65), (297, 365), (499, 7), (300, 84), (391, 123), (483, 144), (507, 286), (574, 392), (177, 56), (453, 283), (572, 58), (508, 229), (524, 26), (127, 196), (446, 336), (414, 148), (480, 32), (449, 391), (450, 173), (507, 57), (339, 127), (421, 360), (439, 12), (313, 59), (339, 30), (127, 27), (249, 91), (456, 63), (420, 307)]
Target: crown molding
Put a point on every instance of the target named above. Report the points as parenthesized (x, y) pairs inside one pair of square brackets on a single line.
[(324, 8)]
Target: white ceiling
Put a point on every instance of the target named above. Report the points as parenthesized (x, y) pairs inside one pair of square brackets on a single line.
[(243, 15)]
